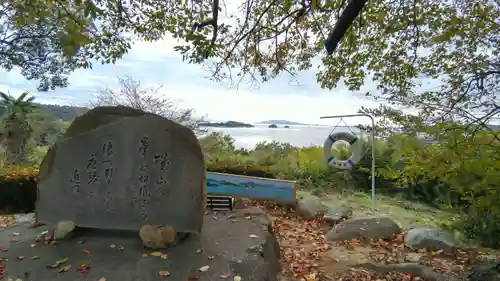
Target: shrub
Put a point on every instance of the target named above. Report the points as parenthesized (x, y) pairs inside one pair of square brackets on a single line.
[(18, 189)]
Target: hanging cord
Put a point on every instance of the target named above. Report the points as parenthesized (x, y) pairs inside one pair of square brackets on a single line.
[(336, 126), (342, 120)]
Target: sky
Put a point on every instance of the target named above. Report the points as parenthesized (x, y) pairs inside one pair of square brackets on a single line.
[(156, 64)]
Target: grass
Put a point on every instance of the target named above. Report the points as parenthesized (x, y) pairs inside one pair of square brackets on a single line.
[(408, 214)]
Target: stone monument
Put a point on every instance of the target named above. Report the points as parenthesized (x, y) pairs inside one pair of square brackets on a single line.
[(121, 168)]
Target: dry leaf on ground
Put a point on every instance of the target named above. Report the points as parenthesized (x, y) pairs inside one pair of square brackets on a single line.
[(58, 263), (65, 268), (204, 268), (164, 273), (86, 252)]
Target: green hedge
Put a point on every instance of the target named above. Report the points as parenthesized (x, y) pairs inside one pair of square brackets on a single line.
[(244, 170), (18, 189), (18, 185)]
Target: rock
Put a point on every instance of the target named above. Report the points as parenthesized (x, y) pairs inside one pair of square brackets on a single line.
[(311, 207), (159, 236), (336, 214), (64, 229), (241, 203), (486, 272), (414, 269), (371, 227), (430, 238), (121, 168)]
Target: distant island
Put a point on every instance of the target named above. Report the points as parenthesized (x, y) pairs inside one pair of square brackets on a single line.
[(272, 126), (228, 124), (281, 122)]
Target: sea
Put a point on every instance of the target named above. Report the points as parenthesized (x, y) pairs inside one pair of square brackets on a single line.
[(296, 135)]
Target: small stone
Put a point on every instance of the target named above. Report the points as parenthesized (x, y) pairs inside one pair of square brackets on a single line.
[(158, 237), (64, 229)]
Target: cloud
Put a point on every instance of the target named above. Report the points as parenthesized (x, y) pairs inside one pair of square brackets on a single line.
[(158, 64)]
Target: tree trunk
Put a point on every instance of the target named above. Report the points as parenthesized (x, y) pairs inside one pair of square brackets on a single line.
[(15, 142)]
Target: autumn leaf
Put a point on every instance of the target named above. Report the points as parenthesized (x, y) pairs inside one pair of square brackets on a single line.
[(58, 263), (156, 254), (164, 273), (65, 268), (225, 276), (204, 268), (86, 252), (164, 256)]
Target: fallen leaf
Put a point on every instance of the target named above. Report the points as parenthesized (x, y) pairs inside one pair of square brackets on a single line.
[(164, 273), (145, 255), (102, 279), (194, 277), (14, 240), (65, 268), (3, 250), (211, 257), (58, 263), (15, 234), (164, 256), (80, 242), (204, 268), (34, 257), (199, 251), (83, 270), (121, 248), (32, 245), (21, 258), (84, 265), (253, 236), (237, 278), (86, 252), (156, 254), (225, 276), (4, 259), (112, 246)]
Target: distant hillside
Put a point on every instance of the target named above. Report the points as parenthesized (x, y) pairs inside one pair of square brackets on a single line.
[(64, 112), (281, 122), (228, 124)]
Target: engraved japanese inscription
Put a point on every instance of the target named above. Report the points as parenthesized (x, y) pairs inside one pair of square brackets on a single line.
[(135, 171)]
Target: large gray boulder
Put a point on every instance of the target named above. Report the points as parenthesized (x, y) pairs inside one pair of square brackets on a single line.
[(336, 214), (311, 207), (121, 168), (430, 238), (370, 227), (489, 271)]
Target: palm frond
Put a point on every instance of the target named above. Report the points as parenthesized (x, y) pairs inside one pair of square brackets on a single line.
[(22, 96), (6, 97)]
